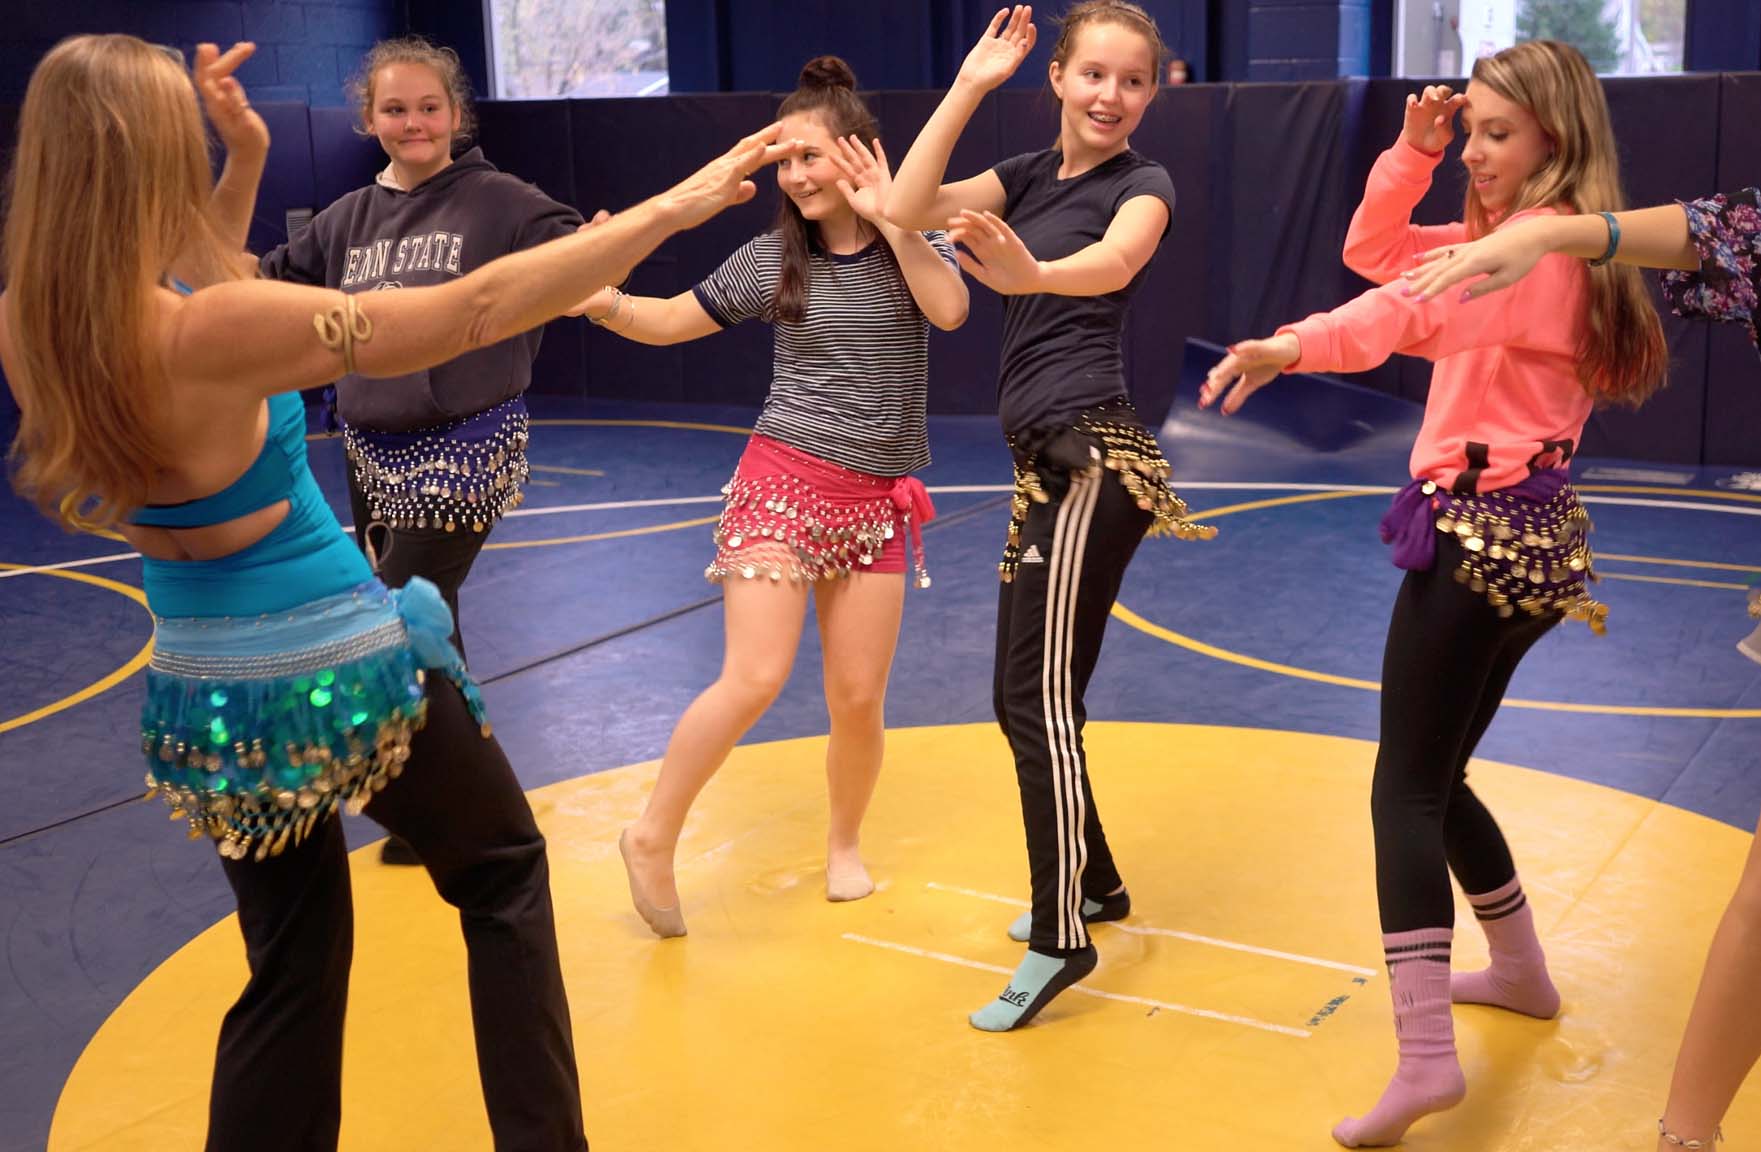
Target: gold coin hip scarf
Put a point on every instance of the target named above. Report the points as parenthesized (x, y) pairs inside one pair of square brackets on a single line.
[(1109, 438), (1525, 548), (791, 515), (462, 476)]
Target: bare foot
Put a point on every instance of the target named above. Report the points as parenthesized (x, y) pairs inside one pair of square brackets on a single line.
[(653, 890), (845, 876)]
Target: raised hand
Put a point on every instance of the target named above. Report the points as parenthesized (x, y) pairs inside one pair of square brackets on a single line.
[(1430, 118), (1002, 48), (235, 121), (724, 180), (993, 254), (1250, 366), (865, 177)]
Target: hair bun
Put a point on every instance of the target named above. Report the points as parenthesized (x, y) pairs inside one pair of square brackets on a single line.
[(827, 72)]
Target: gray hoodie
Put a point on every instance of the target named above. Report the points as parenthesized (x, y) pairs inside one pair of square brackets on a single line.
[(382, 237)]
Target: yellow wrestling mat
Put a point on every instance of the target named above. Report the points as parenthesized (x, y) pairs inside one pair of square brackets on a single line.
[(1242, 1005)]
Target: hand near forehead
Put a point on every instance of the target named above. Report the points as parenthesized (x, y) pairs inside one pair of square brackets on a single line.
[(1002, 48), (726, 179), (223, 97), (1430, 117)]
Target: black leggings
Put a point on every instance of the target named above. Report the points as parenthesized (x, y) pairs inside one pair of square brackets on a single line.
[(436, 555), (278, 1073), (1448, 660)]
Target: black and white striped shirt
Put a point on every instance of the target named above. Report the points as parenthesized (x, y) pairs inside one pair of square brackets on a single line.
[(851, 378)]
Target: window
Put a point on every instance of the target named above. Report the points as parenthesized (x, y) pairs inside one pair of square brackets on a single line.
[(544, 49), (1620, 37)]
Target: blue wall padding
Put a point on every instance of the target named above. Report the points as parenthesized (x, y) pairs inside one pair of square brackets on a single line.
[(1267, 176)]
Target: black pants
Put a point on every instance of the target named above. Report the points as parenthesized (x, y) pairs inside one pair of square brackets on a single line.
[(1448, 660), (1050, 621), (443, 557), (278, 1073)]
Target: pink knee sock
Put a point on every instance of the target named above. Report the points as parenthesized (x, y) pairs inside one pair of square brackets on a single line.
[(1428, 1077), (1517, 978)]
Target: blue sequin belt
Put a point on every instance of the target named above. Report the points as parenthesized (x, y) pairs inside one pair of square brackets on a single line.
[(257, 728)]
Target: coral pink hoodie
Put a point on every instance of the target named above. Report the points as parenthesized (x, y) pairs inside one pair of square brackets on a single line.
[(1505, 400)]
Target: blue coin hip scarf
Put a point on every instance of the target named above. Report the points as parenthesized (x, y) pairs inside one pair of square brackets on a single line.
[(256, 728), (461, 476)]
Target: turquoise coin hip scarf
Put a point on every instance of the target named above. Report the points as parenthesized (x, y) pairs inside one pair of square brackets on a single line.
[(256, 728)]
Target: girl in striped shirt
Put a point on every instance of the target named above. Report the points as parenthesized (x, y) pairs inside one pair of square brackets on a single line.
[(823, 499)]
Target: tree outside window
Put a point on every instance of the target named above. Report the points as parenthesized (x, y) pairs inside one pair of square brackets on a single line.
[(1618, 37), (547, 49)]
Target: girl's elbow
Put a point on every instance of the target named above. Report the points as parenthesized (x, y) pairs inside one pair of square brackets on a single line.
[(951, 318)]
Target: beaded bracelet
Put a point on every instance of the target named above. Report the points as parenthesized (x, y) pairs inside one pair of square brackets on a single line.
[(1675, 1141)]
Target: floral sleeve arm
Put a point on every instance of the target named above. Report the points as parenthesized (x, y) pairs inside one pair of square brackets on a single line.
[(1727, 232)]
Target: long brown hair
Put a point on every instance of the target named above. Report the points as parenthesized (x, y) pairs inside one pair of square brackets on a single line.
[(414, 50), (1622, 355), (109, 186), (826, 89)]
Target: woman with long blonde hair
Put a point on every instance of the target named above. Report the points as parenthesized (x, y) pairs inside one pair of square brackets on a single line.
[(159, 392), (1491, 534)]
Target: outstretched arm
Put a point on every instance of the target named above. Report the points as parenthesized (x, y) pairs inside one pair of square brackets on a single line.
[(1649, 237), (262, 334), (1364, 332), (648, 319)]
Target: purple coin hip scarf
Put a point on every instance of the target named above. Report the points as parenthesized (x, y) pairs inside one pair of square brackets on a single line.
[(1525, 547)]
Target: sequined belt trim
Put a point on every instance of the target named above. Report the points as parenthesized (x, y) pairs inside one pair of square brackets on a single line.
[(1527, 555), (790, 514), (1104, 438), (466, 474), (212, 667), (253, 736)]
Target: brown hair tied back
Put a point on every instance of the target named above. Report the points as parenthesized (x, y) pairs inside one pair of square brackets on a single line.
[(827, 91)]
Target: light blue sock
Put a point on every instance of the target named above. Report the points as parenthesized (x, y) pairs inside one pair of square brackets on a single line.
[(1036, 981), (1115, 907)]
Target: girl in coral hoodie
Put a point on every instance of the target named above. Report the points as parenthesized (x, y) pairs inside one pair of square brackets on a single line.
[(1490, 531)]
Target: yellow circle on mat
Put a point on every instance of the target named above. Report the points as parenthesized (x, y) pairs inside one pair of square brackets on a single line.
[(97, 687), (1242, 1004), (1131, 619)]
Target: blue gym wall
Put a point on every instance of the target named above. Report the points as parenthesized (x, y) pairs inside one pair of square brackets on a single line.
[(1267, 174)]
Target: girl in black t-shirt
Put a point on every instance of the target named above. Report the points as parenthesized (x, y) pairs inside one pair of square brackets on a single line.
[(1066, 236)]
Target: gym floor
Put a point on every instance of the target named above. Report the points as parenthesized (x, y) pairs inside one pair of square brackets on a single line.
[(1242, 1004)]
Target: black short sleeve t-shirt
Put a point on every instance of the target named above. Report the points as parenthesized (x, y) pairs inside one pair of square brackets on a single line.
[(1061, 354)]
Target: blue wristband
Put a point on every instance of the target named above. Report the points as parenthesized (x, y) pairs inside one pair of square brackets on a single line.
[(1613, 240)]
